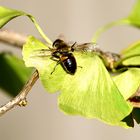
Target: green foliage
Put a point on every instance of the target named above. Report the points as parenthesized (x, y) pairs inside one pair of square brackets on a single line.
[(132, 61), (132, 50), (13, 73), (92, 92), (95, 96), (128, 82), (134, 16), (136, 114), (131, 55), (7, 14), (133, 19)]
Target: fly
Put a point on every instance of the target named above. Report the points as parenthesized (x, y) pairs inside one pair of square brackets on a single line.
[(62, 53)]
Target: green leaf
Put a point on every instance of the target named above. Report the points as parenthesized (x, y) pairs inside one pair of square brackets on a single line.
[(134, 16), (13, 73), (45, 65), (131, 51), (95, 96), (130, 56), (90, 92), (136, 114), (132, 61), (7, 14), (133, 19), (129, 120), (108, 26), (128, 82)]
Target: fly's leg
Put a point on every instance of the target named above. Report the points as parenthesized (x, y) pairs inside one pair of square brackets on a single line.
[(58, 62)]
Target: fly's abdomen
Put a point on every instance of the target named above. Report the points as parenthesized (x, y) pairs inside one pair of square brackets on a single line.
[(69, 64)]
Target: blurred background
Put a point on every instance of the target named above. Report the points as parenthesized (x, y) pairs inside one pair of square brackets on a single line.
[(77, 20)]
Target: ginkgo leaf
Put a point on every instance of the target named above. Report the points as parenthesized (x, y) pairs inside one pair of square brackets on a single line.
[(129, 120), (128, 82), (136, 114), (132, 61), (134, 16), (133, 19), (7, 14), (130, 56), (33, 58), (90, 92), (132, 50)]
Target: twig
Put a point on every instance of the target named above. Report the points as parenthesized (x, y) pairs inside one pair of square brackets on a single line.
[(12, 38), (16, 39), (20, 99)]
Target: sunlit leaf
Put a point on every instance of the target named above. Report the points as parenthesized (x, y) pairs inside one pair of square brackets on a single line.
[(133, 20), (130, 56), (7, 14), (45, 65), (90, 92), (134, 16), (132, 61), (95, 96), (128, 82), (101, 30), (132, 50), (13, 73)]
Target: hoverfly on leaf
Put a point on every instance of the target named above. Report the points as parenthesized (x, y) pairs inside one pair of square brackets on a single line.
[(62, 53)]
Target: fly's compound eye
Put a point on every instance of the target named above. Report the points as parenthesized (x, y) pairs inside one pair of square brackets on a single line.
[(57, 42)]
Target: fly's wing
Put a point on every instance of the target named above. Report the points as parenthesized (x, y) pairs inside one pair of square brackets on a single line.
[(41, 53), (62, 37), (89, 47)]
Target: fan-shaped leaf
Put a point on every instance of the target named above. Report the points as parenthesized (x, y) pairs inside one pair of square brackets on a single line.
[(7, 14), (134, 16), (90, 92), (128, 82), (130, 56)]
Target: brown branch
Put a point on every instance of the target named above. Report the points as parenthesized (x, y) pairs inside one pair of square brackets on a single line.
[(12, 38), (20, 99), (16, 39)]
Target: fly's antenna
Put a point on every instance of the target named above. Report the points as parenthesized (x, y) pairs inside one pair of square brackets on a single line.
[(72, 47)]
